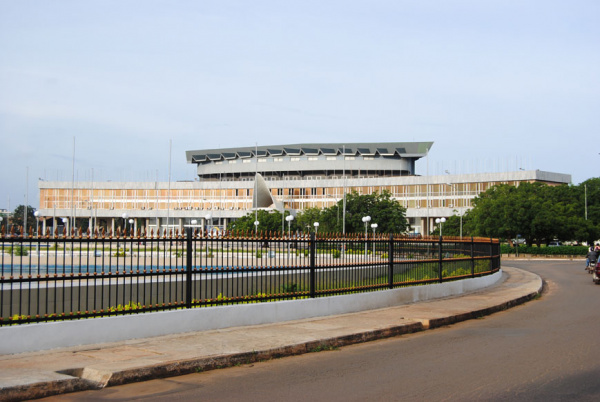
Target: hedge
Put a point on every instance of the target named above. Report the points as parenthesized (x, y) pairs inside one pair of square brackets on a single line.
[(560, 250)]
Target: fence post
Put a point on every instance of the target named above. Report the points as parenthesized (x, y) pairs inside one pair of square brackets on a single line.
[(188, 268), (391, 262), (472, 259), (440, 257), (313, 250), (491, 254)]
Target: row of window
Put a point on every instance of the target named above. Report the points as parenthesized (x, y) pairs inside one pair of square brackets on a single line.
[(294, 159)]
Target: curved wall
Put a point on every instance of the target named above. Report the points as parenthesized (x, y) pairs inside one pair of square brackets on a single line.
[(27, 338)]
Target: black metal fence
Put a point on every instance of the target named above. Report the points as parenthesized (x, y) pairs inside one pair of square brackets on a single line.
[(54, 278)]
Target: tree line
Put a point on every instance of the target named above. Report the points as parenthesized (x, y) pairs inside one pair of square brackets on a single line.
[(535, 212)]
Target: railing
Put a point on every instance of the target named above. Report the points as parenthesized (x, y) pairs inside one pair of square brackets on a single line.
[(52, 277)]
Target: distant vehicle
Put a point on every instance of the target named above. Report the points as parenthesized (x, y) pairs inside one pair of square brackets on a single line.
[(554, 244)]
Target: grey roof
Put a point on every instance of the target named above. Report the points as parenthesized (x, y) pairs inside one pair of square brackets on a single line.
[(402, 149)]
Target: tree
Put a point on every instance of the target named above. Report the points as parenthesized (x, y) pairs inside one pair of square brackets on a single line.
[(19, 213), (389, 215), (537, 212), (452, 226), (383, 210), (269, 221)]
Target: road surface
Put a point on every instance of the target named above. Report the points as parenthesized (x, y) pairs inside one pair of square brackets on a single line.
[(544, 350)]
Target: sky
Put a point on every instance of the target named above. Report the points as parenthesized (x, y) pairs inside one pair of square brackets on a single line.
[(119, 90)]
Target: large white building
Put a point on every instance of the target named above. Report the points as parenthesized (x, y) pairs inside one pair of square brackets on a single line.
[(296, 177)]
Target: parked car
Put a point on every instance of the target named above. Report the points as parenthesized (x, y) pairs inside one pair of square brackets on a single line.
[(554, 243)]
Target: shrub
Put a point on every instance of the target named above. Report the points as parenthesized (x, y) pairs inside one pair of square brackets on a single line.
[(259, 254), (20, 251), (560, 250), (335, 254), (290, 287)]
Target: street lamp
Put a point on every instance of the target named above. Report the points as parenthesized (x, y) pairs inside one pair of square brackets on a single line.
[(374, 227), (316, 224), (256, 223), (366, 220), (440, 221), (289, 220), (207, 218), (131, 221), (37, 221), (66, 223)]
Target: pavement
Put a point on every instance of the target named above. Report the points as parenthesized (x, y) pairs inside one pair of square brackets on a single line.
[(39, 374)]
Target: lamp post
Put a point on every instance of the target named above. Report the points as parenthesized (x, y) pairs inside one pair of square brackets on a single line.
[(374, 227), (131, 221), (289, 220), (366, 220), (66, 223), (440, 221), (207, 218), (256, 223), (37, 223), (124, 216), (316, 225)]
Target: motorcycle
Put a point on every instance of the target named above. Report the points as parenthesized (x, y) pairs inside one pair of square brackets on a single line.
[(596, 274), (591, 266)]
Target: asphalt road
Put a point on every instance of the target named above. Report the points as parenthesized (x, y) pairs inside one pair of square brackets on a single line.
[(544, 350)]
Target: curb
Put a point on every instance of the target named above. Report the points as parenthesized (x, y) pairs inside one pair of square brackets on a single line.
[(76, 380)]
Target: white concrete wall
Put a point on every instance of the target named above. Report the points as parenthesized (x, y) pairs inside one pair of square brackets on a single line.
[(26, 338)]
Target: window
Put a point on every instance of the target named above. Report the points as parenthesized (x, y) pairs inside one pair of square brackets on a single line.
[(349, 158), (278, 159), (218, 162), (295, 159), (262, 160), (332, 158), (246, 160), (233, 161), (368, 158), (313, 158)]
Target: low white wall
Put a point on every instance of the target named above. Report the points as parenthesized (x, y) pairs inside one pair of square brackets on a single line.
[(27, 338)]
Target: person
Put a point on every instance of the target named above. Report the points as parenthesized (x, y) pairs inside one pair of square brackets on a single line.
[(592, 256)]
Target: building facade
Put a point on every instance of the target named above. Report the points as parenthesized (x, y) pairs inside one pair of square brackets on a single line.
[(298, 177)]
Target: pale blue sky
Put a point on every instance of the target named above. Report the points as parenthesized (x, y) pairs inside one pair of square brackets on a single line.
[(495, 84)]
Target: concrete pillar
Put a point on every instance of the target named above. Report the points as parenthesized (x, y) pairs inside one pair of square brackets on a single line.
[(112, 225)]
